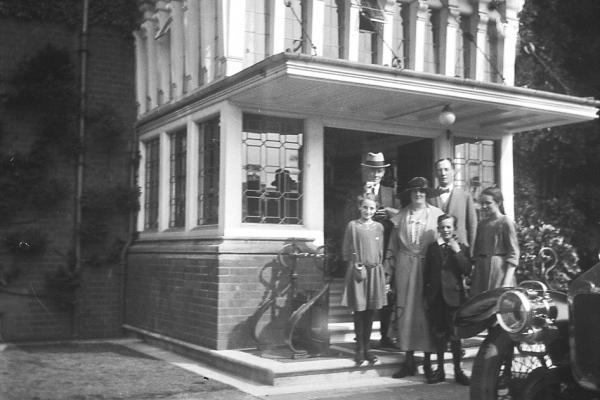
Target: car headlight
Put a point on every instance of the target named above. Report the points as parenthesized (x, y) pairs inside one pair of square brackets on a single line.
[(525, 312)]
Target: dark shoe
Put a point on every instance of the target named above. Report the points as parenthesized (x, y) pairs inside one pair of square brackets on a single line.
[(461, 378), (358, 357), (404, 371), (435, 377), (408, 368), (386, 342), (371, 358)]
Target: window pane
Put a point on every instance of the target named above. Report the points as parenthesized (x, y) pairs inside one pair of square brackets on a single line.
[(151, 185), (294, 38), (475, 165), (208, 172), (332, 29), (177, 177), (272, 187), (257, 33)]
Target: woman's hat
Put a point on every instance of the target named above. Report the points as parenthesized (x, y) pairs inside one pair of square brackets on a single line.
[(418, 182), (375, 160)]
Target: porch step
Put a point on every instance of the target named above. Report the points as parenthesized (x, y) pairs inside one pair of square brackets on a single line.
[(276, 367)]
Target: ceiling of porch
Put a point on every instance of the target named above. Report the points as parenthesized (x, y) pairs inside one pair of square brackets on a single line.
[(337, 89)]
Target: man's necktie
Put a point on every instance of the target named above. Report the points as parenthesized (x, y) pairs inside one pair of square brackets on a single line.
[(442, 190)]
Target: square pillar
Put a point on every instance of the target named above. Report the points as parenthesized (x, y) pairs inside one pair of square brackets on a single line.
[(192, 45), (507, 180), (177, 48), (230, 191)]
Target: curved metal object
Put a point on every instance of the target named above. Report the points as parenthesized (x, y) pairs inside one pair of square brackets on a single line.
[(297, 316), (262, 308)]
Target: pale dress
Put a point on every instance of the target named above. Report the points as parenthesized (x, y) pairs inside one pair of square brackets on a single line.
[(496, 245), (409, 240), (369, 294)]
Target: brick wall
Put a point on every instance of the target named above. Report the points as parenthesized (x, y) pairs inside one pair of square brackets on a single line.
[(27, 311), (208, 294)]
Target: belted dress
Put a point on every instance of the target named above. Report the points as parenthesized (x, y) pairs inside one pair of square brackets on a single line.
[(408, 243)]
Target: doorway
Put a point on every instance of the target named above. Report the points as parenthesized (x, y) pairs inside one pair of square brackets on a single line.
[(409, 156)]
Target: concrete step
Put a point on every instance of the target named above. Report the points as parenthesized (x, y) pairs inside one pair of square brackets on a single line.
[(277, 367)]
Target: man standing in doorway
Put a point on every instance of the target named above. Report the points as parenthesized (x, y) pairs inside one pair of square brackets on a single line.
[(373, 170), (456, 202)]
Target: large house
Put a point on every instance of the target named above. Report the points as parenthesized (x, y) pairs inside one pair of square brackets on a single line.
[(253, 116)]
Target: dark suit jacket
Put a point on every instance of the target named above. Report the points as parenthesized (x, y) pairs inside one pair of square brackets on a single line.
[(445, 273), (461, 206)]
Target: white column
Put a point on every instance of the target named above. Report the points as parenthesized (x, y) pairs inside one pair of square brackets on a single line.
[(317, 25), (153, 76), (177, 48), (312, 209), (208, 30), (507, 174), (141, 71), (481, 40), (388, 32), (278, 25), (192, 45), (451, 32), (191, 184), (353, 34), (163, 53), (163, 182), (511, 35), (423, 15), (233, 22), (230, 188)]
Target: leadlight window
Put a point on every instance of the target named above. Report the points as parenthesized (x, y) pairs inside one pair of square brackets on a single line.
[(177, 177), (152, 148), (272, 176), (475, 165), (208, 172)]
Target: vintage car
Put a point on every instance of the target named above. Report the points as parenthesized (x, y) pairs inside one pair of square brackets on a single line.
[(541, 343)]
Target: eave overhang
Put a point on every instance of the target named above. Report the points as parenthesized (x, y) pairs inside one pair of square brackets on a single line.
[(338, 89)]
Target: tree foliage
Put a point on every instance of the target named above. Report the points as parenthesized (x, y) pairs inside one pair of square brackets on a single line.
[(557, 169)]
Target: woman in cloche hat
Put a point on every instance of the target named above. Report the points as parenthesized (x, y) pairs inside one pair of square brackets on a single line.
[(415, 227)]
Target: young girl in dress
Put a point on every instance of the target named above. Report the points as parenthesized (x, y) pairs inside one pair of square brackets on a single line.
[(496, 249), (364, 290)]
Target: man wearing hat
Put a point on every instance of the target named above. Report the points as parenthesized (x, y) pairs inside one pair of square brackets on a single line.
[(373, 170)]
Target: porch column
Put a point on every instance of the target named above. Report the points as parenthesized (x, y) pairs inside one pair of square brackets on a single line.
[(317, 25), (511, 35), (278, 25), (149, 27), (449, 53), (177, 48), (507, 174), (192, 45), (313, 178), (423, 15), (388, 32), (353, 33), (230, 187), (141, 70), (233, 12), (481, 40)]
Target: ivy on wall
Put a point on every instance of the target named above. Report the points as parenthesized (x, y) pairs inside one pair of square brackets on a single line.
[(118, 14), (43, 91)]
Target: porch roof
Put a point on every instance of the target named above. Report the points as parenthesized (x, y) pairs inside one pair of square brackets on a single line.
[(345, 90)]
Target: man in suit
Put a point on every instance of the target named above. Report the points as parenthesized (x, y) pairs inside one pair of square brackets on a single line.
[(446, 262), (373, 170), (456, 202)]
